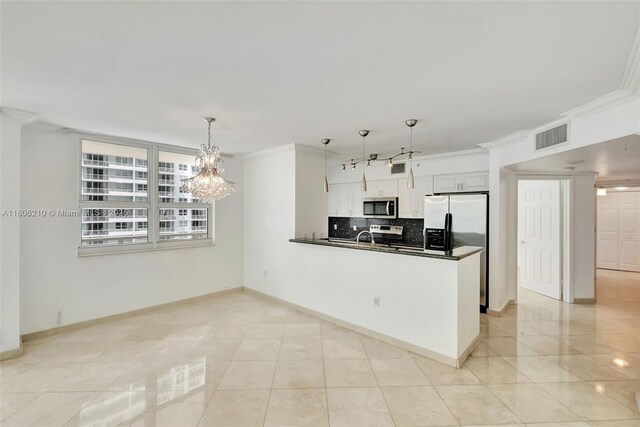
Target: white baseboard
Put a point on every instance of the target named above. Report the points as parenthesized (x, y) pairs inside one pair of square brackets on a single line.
[(119, 316), (504, 308), (12, 353), (456, 363)]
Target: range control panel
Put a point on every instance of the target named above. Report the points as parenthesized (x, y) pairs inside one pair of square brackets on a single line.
[(386, 229)]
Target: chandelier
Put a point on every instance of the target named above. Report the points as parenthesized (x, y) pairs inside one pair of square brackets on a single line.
[(208, 184)]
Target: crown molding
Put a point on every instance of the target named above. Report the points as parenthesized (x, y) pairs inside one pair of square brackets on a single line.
[(514, 137), (612, 183), (597, 105), (315, 150), (269, 151), (553, 174), (21, 116), (461, 153), (631, 78)]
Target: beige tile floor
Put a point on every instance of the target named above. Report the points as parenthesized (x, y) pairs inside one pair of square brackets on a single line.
[(239, 360)]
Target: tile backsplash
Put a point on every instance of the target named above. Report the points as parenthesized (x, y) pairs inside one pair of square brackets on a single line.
[(411, 234)]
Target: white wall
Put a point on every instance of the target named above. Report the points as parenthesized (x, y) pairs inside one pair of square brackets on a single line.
[(588, 127), (311, 200), (269, 220), (463, 161), (54, 279), (584, 236), (10, 129)]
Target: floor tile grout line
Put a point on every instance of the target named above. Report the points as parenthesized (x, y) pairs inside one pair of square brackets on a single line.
[(375, 375), (435, 389), (215, 390), (504, 404), (324, 377), (275, 369)]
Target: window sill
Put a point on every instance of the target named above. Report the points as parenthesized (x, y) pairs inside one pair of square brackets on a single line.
[(144, 247)]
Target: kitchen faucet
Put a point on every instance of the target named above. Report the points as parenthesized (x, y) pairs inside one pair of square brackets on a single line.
[(373, 242)]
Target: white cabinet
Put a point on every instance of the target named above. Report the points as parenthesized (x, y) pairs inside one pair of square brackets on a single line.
[(333, 200), (474, 181), (618, 235), (461, 182), (383, 188), (356, 200), (449, 183), (411, 201), (345, 200)]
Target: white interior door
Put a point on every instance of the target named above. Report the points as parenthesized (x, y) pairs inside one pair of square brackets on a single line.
[(629, 231), (539, 217), (607, 231)]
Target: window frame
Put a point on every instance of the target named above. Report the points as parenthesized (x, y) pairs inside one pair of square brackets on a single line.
[(153, 204)]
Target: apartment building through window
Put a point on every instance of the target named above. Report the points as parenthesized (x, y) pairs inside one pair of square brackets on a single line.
[(118, 204)]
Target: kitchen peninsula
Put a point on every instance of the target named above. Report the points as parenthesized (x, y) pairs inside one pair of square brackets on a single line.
[(425, 301)]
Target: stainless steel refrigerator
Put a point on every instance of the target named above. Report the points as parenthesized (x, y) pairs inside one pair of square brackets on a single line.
[(470, 227)]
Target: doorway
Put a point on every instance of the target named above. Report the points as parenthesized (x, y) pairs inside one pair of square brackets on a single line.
[(542, 228), (618, 229)]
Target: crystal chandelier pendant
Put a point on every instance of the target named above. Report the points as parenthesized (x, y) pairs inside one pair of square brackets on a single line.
[(208, 185)]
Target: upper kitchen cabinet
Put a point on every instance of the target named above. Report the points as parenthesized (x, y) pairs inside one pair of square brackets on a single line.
[(333, 200), (384, 188), (475, 181), (411, 200), (345, 200), (461, 182), (449, 183)]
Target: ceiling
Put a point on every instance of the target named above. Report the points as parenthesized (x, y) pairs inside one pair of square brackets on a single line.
[(276, 73), (616, 161)]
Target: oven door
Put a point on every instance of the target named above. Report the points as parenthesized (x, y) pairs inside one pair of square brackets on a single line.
[(379, 208)]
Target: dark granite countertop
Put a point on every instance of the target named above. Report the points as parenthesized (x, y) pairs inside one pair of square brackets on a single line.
[(455, 255)]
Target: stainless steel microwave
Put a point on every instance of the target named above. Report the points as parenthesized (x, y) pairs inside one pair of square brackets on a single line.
[(380, 207)]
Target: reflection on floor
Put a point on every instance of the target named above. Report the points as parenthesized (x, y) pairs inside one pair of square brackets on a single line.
[(244, 361)]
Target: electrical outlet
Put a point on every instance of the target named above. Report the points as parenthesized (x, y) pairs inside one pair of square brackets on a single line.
[(335, 226), (376, 301), (355, 228)]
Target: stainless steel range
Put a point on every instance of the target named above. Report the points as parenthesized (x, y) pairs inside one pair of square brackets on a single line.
[(386, 234)]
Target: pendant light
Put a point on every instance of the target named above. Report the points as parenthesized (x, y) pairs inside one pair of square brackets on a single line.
[(325, 142), (363, 183), (410, 180), (208, 184)]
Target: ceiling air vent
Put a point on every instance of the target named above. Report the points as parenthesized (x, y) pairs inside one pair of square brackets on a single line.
[(397, 168), (551, 137)]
